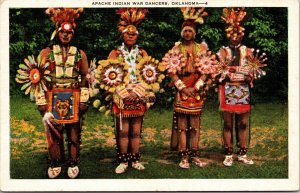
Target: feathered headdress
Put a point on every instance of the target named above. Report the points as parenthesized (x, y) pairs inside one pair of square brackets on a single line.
[(130, 18), (64, 18), (191, 17), (234, 19)]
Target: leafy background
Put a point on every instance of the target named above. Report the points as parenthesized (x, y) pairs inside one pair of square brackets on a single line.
[(97, 35)]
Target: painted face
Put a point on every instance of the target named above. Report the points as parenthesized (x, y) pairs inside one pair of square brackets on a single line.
[(65, 37), (130, 38), (188, 34)]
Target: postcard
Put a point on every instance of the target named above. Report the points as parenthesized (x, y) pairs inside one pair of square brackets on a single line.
[(149, 95)]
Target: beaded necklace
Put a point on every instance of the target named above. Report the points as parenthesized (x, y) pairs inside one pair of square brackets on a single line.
[(130, 58)]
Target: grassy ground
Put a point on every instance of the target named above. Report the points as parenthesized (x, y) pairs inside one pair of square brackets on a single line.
[(268, 148)]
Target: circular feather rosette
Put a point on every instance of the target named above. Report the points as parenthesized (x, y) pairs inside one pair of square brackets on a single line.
[(110, 74), (34, 76), (223, 65), (113, 75), (150, 73), (255, 63), (222, 69), (173, 61), (206, 63)]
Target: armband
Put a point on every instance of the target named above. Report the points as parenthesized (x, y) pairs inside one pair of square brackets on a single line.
[(84, 94), (179, 85), (237, 77), (40, 99), (199, 84), (242, 70)]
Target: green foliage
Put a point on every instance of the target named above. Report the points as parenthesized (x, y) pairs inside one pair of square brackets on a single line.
[(96, 33), (267, 31)]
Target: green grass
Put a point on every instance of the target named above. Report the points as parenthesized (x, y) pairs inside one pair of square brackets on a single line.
[(268, 148)]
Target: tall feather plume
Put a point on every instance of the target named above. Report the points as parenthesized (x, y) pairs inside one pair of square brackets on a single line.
[(60, 15), (130, 16), (190, 13), (234, 18)]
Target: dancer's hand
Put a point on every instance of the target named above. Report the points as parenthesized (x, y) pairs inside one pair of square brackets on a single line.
[(189, 91), (132, 97), (248, 79), (83, 107)]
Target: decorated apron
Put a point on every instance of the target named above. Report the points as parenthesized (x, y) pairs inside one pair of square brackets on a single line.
[(64, 95), (235, 96), (122, 107)]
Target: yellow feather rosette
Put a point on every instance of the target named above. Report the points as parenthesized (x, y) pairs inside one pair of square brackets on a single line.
[(110, 74), (34, 76), (150, 73)]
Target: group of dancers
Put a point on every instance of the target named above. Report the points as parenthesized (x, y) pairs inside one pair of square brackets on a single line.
[(61, 82)]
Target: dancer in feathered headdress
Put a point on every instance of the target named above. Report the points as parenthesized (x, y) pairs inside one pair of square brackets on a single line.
[(236, 69), (130, 18), (64, 19), (234, 18), (131, 78), (189, 64), (192, 17), (67, 94)]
